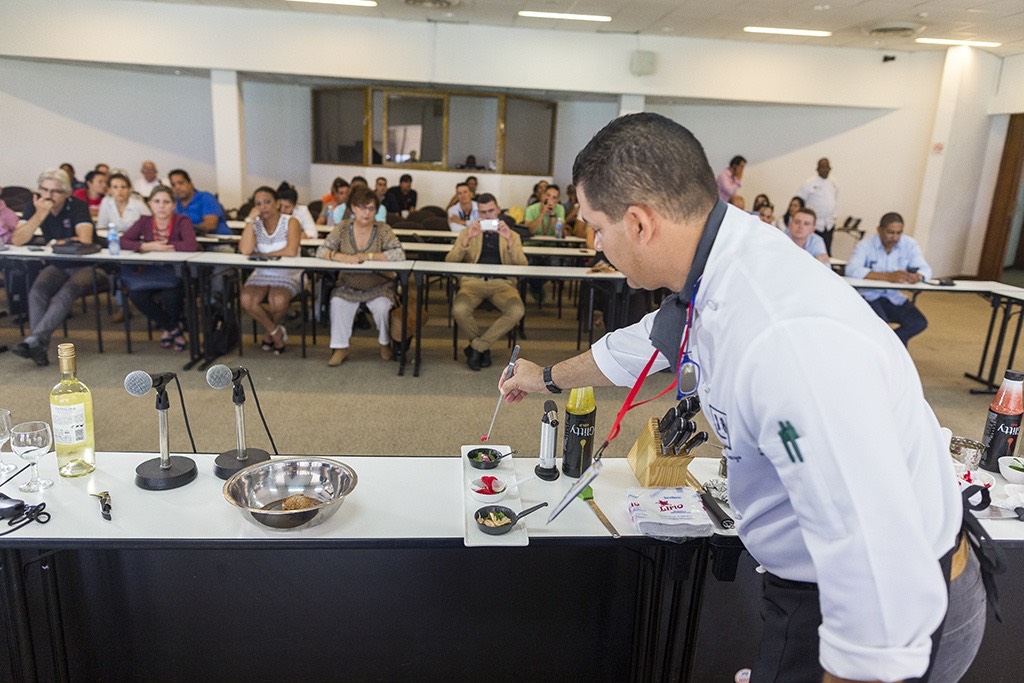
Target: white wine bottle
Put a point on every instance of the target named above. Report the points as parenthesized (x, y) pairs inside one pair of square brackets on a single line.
[(71, 412)]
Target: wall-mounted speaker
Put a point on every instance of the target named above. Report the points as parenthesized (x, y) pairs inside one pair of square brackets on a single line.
[(643, 62)]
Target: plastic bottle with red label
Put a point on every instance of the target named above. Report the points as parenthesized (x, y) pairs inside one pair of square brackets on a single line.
[(1002, 429)]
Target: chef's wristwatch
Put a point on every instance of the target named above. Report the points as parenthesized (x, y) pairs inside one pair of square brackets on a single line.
[(549, 383)]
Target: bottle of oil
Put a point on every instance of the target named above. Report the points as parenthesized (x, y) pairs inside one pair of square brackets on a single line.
[(71, 413), (578, 440)]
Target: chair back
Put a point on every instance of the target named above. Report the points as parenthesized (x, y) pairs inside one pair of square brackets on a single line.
[(394, 219), (435, 223), (420, 216), (435, 211), (315, 207), (17, 198)]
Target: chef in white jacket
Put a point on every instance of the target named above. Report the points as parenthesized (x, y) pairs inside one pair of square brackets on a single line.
[(839, 478)]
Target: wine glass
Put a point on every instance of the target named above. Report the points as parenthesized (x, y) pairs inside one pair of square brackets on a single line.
[(31, 441), (5, 435)]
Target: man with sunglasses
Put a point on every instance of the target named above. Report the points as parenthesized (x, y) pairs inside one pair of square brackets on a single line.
[(866, 577), (60, 217)]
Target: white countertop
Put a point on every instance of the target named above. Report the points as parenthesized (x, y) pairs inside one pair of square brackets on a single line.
[(395, 498)]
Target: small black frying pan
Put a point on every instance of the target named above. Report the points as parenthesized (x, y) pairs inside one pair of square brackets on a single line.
[(492, 453), (508, 512)]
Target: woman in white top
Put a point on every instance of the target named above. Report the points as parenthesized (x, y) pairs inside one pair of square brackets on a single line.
[(288, 202), (270, 233), (120, 207)]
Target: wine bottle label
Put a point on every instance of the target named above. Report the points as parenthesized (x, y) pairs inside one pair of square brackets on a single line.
[(68, 424), (578, 443), (1001, 433)]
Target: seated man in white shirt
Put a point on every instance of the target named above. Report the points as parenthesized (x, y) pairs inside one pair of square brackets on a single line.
[(801, 231), (149, 180), (464, 211), (892, 257)]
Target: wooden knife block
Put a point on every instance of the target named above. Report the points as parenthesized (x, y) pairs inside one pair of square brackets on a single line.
[(652, 468)]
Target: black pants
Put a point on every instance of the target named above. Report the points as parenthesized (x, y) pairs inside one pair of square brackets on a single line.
[(910, 320), (162, 306), (826, 236)]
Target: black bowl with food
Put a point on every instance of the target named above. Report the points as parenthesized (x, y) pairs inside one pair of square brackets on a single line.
[(496, 520), (484, 458)]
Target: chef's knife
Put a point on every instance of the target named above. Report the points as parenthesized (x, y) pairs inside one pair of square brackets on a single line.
[(588, 495), (710, 504), (585, 480), (993, 512)]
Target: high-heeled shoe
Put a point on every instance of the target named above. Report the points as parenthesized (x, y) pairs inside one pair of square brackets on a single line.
[(279, 331)]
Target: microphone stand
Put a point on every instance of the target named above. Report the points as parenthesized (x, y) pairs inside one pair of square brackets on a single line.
[(229, 462), (168, 471)]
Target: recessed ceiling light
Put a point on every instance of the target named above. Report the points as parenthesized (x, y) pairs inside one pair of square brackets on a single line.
[(822, 8), (945, 41), (667, 29), (429, 4), (564, 15), (351, 3), (787, 31)]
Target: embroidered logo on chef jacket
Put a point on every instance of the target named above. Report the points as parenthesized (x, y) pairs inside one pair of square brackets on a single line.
[(789, 436), (720, 425)]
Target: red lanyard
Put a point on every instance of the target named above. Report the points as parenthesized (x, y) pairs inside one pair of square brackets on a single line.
[(628, 404)]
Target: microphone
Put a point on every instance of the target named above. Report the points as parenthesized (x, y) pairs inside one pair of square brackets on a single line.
[(221, 376), (166, 471), (138, 383), (227, 463)]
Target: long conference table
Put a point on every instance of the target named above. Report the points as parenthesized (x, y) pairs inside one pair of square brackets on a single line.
[(178, 586), (1006, 301)]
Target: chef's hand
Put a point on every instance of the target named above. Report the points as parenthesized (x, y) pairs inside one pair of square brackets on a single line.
[(528, 378)]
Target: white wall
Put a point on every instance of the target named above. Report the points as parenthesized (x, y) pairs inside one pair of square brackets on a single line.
[(1009, 98), (278, 136), (877, 155), (577, 122), (52, 113)]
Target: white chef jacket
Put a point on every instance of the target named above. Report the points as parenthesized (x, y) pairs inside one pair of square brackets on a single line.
[(821, 195), (864, 501)]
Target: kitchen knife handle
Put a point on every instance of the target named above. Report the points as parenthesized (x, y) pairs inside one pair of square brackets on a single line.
[(716, 511)]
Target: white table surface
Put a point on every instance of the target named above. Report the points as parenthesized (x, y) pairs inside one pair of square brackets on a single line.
[(214, 258), (102, 256), (959, 286), (481, 269), (563, 252), (395, 498)]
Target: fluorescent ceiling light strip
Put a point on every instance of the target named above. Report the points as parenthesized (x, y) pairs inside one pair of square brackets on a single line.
[(563, 15), (350, 3), (945, 41), (787, 31)]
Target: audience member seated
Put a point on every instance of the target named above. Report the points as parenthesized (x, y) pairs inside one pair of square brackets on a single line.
[(501, 246), (738, 201), (76, 184), (288, 202), (893, 257), (342, 212), (538, 193), (801, 231), (149, 180), (61, 217), (571, 205), (767, 214), (8, 222), (336, 197), (120, 207), (795, 204), (156, 290), (380, 188), (401, 197), (543, 217), (759, 201), (270, 233), (102, 168), (202, 208), (472, 182), (730, 179), (464, 212), (358, 240), (93, 192)]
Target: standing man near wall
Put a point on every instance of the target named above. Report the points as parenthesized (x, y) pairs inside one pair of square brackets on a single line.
[(811, 397), (731, 179), (820, 194)]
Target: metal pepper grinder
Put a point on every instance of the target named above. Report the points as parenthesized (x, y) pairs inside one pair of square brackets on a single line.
[(547, 470)]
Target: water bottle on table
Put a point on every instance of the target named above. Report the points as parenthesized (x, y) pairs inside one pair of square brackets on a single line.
[(113, 239)]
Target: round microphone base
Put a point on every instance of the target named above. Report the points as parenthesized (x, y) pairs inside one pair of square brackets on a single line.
[(150, 476), (227, 463), (546, 473)]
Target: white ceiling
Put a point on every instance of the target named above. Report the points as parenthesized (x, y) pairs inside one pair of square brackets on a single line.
[(849, 20)]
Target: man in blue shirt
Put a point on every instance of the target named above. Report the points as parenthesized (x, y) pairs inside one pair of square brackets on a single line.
[(892, 257), (201, 207)]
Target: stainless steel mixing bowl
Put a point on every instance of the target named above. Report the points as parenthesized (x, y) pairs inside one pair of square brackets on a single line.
[(260, 489)]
